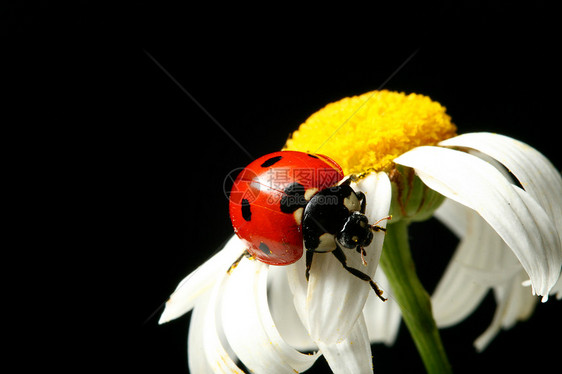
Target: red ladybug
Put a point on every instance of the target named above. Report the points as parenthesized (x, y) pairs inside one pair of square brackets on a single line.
[(288, 200)]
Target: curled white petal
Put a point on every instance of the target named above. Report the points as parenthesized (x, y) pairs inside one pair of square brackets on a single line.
[(218, 358), (532, 169), (550, 241), (514, 303), (283, 311), (299, 288), (455, 216), (197, 358), (201, 280), (335, 298), (353, 354), (514, 215), (481, 261), (249, 327), (557, 289)]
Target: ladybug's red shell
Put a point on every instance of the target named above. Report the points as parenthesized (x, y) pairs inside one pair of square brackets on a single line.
[(274, 234)]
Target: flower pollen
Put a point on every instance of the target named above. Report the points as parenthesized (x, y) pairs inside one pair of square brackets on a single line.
[(365, 133)]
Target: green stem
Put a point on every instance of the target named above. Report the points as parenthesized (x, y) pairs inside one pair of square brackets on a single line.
[(414, 302)]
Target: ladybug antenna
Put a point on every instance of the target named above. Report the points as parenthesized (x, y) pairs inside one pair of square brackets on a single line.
[(375, 226)]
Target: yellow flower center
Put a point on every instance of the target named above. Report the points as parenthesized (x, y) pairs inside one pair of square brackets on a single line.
[(365, 133)]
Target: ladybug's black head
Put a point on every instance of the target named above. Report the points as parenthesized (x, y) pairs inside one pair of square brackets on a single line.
[(355, 232)]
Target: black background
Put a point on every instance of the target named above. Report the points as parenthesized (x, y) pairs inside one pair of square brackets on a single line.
[(136, 168)]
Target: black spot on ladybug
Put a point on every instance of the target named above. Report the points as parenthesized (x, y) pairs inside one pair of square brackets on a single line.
[(264, 248), (311, 155), (271, 161), (293, 198), (246, 212)]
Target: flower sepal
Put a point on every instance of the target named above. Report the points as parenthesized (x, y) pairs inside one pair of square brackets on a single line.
[(412, 200)]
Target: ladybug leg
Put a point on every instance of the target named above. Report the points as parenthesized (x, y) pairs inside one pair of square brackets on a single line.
[(338, 253), (363, 253), (347, 181), (361, 197), (309, 255), (235, 263)]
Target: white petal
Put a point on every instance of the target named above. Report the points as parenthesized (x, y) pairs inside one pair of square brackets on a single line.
[(532, 169), (335, 298), (296, 360), (514, 304), (201, 280), (557, 289), (197, 358), (219, 360), (206, 337), (353, 354), (382, 319), (299, 288), (535, 172), (478, 263), (377, 190), (454, 215), (514, 215), (284, 313), (550, 241), (249, 327)]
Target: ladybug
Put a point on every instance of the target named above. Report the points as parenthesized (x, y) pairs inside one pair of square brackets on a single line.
[(286, 201)]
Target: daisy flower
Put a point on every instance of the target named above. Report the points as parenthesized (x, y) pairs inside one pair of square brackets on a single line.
[(501, 197)]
